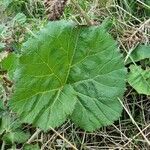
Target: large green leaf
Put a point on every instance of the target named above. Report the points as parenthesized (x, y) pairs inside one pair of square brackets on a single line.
[(139, 79), (68, 71)]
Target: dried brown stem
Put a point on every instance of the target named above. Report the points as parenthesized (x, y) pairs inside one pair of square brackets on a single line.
[(55, 8), (82, 12)]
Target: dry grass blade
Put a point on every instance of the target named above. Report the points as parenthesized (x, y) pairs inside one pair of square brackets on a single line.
[(33, 136), (134, 122), (73, 147), (136, 135), (55, 8), (143, 4), (81, 11)]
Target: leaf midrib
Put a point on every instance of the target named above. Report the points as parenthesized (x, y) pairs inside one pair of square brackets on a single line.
[(74, 51)]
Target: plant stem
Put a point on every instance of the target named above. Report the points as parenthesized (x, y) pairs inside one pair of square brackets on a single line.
[(3, 146), (33, 136), (82, 12), (64, 139), (134, 122)]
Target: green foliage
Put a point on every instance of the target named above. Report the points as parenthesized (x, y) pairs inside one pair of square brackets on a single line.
[(3, 30), (135, 8), (73, 72), (10, 129), (17, 136), (2, 45), (5, 122), (31, 147), (107, 24), (147, 2), (1, 105), (13, 6), (5, 3), (20, 18), (139, 79), (10, 63), (139, 53), (30, 8)]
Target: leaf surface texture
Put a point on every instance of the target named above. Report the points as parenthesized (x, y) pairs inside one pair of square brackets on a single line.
[(69, 71), (139, 79)]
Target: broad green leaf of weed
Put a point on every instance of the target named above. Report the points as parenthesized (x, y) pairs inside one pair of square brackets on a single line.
[(69, 72), (9, 64), (8, 123), (107, 24), (139, 53), (10, 129), (17, 136), (139, 79), (5, 122)]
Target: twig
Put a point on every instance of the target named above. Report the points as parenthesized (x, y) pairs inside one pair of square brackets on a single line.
[(64, 138), (145, 5), (124, 135), (82, 12), (33, 136), (3, 146), (82, 144), (126, 12), (135, 136), (129, 53), (139, 29), (134, 122)]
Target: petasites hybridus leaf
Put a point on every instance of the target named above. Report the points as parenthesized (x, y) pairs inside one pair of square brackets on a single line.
[(69, 71)]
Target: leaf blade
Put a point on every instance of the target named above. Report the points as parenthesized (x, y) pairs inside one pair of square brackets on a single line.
[(139, 79), (97, 66), (139, 53), (56, 69)]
